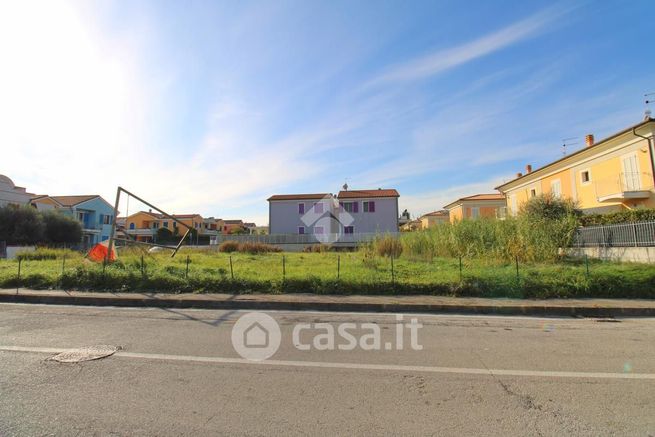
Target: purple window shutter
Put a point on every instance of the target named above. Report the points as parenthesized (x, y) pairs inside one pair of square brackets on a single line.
[(371, 206), (355, 206), (301, 230), (301, 208)]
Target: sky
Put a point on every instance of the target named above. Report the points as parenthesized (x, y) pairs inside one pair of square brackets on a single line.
[(212, 107)]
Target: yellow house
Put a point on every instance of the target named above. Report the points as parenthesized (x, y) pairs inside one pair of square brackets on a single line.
[(142, 225), (491, 205), (433, 219), (609, 175)]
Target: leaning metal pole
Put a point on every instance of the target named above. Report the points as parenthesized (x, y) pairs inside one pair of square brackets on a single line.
[(112, 235)]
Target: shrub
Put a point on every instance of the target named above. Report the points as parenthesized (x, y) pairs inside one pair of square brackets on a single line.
[(61, 229), (23, 225), (549, 207), (627, 216), (229, 246), (317, 248), (388, 246), (45, 254), (255, 248)]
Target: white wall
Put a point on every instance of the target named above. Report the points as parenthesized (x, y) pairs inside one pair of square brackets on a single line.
[(10, 194)]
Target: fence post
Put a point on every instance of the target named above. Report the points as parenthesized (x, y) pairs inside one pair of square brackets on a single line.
[(518, 277), (186, 272), (586, 261), (231, 269), (602, 230), (393, 277), (63, 265), (338, 267), (634, 233), (142, 267), (284, 268)]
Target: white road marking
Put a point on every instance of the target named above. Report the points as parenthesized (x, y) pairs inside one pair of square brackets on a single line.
[(354, 366)]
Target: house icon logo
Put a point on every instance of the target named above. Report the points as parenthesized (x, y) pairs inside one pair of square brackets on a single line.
[(256, 336), (330, 217)]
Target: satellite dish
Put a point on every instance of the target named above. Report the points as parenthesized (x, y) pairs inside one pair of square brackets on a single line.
[(345, 186)]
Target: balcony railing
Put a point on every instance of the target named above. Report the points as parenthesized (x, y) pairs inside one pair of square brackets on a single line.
[(624, 186)]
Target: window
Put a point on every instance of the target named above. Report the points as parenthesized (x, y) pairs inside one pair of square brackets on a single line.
[(165, 224), (318, 208), (556, 188), (131, 225), (318, 229), (513, 203), (301, 208), (533, 192), (348, 206), (348, 229), (585, 176), (155, 225), (475, 212), (105, 237), (369, 206), (301, 230)]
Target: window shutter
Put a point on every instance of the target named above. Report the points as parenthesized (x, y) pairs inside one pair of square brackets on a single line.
[(371, 206), (355, 206), (100, 218)]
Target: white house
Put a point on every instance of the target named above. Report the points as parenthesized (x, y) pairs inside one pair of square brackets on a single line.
[(349, 212), (10, 194)]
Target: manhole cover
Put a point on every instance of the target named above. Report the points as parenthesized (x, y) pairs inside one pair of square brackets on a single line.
[(87, 353)]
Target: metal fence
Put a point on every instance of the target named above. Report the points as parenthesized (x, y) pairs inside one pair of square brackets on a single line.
[(640, 234), (276, 239)]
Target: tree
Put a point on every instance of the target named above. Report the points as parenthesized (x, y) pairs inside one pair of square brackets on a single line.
[(549, 207), (164, 235), (22, 225), (61, 229)]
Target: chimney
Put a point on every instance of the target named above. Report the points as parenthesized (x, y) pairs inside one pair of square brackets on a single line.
[(589, 140), (519, 174), (528, 169)]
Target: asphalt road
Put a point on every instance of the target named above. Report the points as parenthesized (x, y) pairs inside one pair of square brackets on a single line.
[(178, 374)]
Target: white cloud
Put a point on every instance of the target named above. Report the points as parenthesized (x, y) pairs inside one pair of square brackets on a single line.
[(445, 59)]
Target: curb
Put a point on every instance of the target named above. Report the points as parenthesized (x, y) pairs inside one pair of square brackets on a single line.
[(140, 301)]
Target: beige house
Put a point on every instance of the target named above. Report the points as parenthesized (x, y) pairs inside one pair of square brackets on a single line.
[(613, 174), (434, 218), (491, 205)]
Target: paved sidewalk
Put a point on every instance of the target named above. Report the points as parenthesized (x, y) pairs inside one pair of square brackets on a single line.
[(415, 304)]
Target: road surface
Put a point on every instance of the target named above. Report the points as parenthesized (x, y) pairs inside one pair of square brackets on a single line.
[(179, 374)]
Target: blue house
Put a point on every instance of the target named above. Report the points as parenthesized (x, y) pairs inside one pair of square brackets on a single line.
[(94, 213)]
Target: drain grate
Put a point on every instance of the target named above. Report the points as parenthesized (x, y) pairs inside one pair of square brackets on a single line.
[(87, 353)]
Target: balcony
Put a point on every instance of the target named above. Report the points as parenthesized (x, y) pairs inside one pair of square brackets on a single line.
[(625, 186), (142, 232)]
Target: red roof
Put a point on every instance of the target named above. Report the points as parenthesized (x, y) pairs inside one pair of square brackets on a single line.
[(73, 200), (298, 196), (475, 197), (357, 194)]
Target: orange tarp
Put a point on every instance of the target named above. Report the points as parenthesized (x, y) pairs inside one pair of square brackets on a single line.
[(98, 253)]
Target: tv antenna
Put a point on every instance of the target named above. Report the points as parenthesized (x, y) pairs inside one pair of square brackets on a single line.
[(649, 98), (568, 142)]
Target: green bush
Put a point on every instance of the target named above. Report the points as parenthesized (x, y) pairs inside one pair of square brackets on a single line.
[(23, 225), (627, 216), (44, 254), (61, 229)]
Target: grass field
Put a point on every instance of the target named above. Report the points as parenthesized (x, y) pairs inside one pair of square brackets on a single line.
[(331, 273)]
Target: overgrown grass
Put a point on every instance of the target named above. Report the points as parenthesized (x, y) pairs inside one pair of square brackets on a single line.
[(362, 272)]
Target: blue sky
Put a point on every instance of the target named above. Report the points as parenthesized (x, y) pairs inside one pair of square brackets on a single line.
[(211, 107)]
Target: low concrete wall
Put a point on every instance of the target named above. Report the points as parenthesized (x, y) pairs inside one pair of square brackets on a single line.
[(626, 254), (13, 250)]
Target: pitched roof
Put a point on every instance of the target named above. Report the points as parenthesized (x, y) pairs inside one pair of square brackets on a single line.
[(177, 216), (477, 197), (440, 213), (233, 222), (73, 200), (356, 194), (576, 153), (298, 196)]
